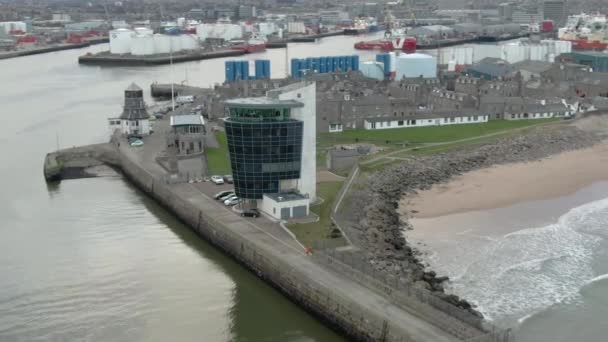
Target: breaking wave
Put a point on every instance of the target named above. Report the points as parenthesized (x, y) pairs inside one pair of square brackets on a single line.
[(529, 270), (596, 279)]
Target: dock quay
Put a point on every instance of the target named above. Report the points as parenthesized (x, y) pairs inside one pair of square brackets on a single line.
[(52, 48), (164, 90), (350, 303), (281, 43), (105, 58)]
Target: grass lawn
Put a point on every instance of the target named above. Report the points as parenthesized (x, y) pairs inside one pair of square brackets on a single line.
[(217, 158), (424, 134), (310, 232)]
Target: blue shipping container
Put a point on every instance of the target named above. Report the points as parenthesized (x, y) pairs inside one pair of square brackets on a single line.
[(335, 63), (316, 64), (229, 69), (355, 62), (386, 60), (322, 65), (303, 68), (267, 69), (348, 63), (295, 67), (328, 64)]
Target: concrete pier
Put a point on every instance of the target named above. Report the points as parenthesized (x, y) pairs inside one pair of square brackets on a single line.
[(347, 306)]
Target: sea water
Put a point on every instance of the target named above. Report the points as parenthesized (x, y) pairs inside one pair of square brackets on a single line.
[(546, 276)]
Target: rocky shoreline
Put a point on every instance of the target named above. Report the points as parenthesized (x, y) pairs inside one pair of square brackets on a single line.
[(375, 204)]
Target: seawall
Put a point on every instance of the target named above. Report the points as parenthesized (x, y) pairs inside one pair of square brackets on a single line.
[(354, 310), (53, 48)]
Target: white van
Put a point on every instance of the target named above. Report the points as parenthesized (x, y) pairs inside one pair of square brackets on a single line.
[(184, 99)]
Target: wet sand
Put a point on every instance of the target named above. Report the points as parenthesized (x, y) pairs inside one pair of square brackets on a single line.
[(505, 185)]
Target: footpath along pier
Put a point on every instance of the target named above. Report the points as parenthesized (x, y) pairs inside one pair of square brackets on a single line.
[(349, 302)]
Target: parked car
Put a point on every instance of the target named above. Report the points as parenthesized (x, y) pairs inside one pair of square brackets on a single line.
[(228, 179), (229, 198), (184, 99), (137, 143), (233, 201), (219, 180), (225, 197), (222, 194), (250, 213)]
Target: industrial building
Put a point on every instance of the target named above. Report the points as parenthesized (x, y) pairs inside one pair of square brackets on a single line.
[(416, 65), (272, 147), (598, 61)]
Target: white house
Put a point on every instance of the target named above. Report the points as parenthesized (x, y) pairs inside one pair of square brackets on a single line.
[(134, 118), (426, 119)]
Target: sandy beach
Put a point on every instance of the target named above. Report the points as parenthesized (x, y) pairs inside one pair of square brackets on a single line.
[(518, 240), (505, 185)]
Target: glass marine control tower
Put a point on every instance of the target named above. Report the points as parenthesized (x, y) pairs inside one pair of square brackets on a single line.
[(265, 144), (272, 147)]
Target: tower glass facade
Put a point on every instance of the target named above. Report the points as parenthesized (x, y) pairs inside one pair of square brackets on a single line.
[(265, 146)]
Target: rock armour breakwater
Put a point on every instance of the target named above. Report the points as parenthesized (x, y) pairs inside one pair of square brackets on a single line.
[(375, 204)]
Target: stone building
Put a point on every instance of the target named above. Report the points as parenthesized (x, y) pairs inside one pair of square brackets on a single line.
[(187, 134)]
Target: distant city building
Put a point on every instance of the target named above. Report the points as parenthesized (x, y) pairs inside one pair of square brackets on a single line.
[(555, 10), (505, 11), (61, 17), (84, 26), (333, 17), (134, 118), (272, 147), (246, 12), (225, 13), (523, 17)]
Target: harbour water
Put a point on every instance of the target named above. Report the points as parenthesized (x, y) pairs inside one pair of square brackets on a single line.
[(95, 259)]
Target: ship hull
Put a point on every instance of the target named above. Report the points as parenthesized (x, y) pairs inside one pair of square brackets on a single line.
[(252, 48), (584, 45), (354, 31)]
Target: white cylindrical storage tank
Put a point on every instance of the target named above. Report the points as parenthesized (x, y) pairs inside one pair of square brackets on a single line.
[(175, 43), (161, 44), (468, 56), (486, 51), (202, 31), (142, 45), (181, 22), (452, 66), (415, 65), (393, 61), (266, 29), (120, 41), (236, 32), (189, 42), (143, 30)]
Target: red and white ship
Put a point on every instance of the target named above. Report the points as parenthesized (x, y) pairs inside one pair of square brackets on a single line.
[(394, 39), (399, 43), (251, 45), (586, 32)]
